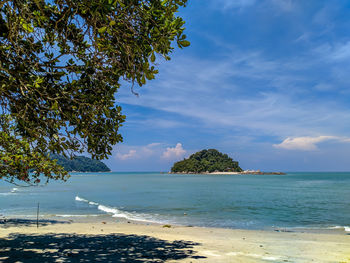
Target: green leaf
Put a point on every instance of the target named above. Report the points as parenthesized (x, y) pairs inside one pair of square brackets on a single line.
[(54, 107), (184, 43), (102, 30), (153, 57), (28, 28)]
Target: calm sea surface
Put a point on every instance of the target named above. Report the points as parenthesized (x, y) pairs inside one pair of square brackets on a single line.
[(311, 200)]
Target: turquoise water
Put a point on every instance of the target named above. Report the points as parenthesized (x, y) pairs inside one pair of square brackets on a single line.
[(311, 200)]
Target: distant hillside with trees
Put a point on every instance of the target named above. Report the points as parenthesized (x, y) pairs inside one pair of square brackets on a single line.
[(80, 164), (206, 161)]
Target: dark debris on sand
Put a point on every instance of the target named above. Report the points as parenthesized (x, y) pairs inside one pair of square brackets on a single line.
[(13, 222)]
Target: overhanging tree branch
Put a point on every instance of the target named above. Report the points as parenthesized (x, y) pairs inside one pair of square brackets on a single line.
[(61, 63)]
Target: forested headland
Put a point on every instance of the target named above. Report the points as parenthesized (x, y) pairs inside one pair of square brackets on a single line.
[(80, 164)]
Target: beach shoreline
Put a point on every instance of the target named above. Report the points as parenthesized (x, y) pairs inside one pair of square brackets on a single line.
[(172, 243)]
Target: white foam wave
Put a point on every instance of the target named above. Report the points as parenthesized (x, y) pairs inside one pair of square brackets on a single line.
[(9, 193), (115, 212), (127, 215), (77, 198), (80, 199), (75, 215), (346, 228), (335, 227), (107, 209), (12, 192)]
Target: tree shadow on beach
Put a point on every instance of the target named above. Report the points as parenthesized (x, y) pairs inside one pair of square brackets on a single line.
[(92, 248), (13, 222)]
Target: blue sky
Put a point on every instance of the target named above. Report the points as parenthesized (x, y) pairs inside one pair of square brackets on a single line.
[(266, 82)]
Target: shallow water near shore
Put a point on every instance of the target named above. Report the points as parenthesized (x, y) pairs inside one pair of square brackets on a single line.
[(294, 200)]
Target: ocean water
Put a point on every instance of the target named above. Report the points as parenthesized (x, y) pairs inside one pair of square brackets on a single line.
[(295, 200)]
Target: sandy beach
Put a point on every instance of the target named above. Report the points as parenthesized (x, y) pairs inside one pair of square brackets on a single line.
[(94, 240)]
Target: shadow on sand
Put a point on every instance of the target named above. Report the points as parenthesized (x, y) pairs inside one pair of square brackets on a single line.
[(13, 222), (92, 248)]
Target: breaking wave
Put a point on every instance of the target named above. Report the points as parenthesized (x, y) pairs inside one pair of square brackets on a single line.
[(13, 191), (115, 212), (346, 228)]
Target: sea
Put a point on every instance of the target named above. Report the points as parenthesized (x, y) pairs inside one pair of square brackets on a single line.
[(319, 200)]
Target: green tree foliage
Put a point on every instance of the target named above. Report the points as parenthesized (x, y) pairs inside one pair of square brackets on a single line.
[(61, 63), (80, 164), (206, 161)]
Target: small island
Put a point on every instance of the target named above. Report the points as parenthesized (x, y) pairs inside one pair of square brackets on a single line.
[(212, 161), (206, 161), (80, 164)]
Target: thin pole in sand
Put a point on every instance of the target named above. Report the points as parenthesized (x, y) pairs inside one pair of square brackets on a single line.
[(37, 217)]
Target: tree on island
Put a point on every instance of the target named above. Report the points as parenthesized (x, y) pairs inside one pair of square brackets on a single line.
[(61, 63), (206, 161)]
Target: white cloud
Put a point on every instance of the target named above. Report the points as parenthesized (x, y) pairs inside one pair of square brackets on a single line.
[(136, 152), (307, 143), (174, 153), (284, 5), (157, 122), (249, 93), (341, 51), (149, 149), (154, 144), (334, 53), (209, 91), (155, 151), (226, 4), (131, 154), (324, 87)]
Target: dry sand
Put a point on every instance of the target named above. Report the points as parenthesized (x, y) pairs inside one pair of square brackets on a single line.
[(110, 241)]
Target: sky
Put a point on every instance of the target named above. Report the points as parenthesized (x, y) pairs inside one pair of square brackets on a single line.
[(265, 81)]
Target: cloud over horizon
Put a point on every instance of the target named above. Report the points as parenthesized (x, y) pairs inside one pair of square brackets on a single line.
[(138, 152), (125, 156), (174, 153), (307, 143), (152, 150)]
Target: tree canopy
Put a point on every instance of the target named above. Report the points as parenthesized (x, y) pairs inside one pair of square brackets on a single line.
[(206, 161), (61, 63)]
